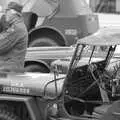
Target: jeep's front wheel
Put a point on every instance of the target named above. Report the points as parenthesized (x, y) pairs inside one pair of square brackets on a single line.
[(6, 115), (36, 68)]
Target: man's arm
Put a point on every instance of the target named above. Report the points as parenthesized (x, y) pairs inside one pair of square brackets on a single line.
[(8, 40)]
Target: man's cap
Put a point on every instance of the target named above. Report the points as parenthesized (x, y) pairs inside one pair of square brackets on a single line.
[(15, 6)]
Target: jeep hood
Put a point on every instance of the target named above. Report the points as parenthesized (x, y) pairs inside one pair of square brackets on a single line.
[(35, 84)]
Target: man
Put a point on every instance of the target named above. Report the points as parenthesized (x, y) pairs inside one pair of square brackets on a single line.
[(13, 40)]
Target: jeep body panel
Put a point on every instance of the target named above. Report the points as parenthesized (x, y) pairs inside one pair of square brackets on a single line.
[(32, 84), (30, 103)]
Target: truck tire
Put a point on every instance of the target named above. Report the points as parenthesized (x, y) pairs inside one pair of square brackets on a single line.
[(43, 41), (36, 68), (6, 115)]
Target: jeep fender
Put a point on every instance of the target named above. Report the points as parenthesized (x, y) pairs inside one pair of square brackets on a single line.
[(30, 103), (37, 62)]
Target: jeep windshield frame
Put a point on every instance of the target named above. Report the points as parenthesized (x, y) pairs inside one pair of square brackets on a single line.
[(103, 37)]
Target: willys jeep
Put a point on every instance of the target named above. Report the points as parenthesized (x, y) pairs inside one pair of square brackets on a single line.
[(74, 96)]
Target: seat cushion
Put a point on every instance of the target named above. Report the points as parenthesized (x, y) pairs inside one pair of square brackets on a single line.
[(113, 113), (102, 109)]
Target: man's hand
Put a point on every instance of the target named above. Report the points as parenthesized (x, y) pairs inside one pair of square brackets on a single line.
[(6, 33)]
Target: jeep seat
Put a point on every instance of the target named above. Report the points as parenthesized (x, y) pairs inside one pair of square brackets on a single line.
[(100, 111), (35, 84)]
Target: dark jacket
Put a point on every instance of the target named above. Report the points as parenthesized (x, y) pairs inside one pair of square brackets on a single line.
[(13, 45)]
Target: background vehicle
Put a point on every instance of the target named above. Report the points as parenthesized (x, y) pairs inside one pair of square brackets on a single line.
[(38, 96), (62, 26), (108, 11)]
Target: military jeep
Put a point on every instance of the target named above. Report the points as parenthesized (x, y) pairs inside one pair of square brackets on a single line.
[(76, 95)]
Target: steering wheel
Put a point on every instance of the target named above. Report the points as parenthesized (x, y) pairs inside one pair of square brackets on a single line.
[(101, 77)]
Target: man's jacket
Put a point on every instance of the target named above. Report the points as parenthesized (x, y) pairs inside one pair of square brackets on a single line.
[(13, 45), (3, 24)]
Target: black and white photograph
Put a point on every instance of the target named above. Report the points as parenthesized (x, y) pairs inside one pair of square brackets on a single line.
[(59, 59)]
